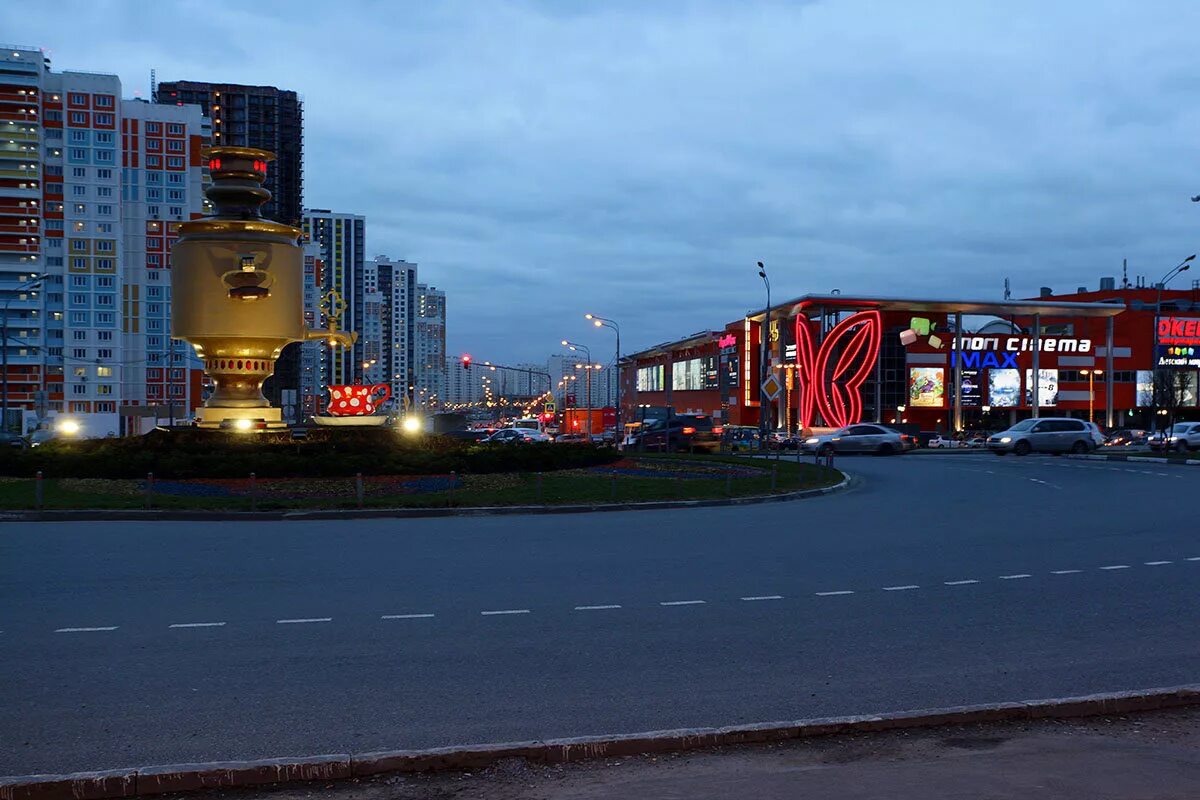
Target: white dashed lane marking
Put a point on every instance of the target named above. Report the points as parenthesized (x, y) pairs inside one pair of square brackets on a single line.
[(504, 611), (831, 594), (596, 608), (1014, 577), (86, 630), (1116, 566), (900, 588), (960, 583), (1155, 563), (302, 621), (196, 625), (683, 603), (765, 597), (407, 616), (1066, 571)]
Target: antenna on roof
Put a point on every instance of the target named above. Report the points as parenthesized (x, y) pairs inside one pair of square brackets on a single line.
[(153, 87), (1124, 273), (1007, 290)]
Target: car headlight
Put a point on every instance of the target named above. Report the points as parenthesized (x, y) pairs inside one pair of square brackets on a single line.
[(1005, 439), (813, 440)]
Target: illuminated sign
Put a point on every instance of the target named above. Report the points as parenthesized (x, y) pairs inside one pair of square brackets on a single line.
[(977, 360), (728, 340), (1178, 343), (835, 390), (1024, 344), (926, 386)]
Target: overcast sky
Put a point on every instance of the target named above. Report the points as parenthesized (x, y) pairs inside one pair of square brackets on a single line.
[(543, 159)]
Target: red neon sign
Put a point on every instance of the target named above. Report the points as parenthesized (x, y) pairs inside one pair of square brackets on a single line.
[(835, 391), (728, 340)]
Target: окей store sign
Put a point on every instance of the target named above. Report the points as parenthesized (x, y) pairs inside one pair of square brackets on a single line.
[(1178, 342)]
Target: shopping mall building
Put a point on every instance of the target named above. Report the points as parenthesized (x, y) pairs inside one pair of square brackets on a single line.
[(939, 364)]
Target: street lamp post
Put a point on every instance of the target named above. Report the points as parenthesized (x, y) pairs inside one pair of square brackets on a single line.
[(1182, 266), (575, 346), (763, 335), (1092, 373), (604, 322), (30, 284)]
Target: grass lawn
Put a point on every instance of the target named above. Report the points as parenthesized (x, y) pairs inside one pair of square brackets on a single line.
[(636, 479)]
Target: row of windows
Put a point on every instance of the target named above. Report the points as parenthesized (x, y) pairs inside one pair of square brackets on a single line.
[(102, 173), (101, 388), (81, 118), (157, 194), (173, 145), (80, 190), (81, 99), (81, 353), (156, 177), (173, 128), (99, 137)]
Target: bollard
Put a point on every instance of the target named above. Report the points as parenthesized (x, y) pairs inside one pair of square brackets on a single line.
[(539, 487), (358, 488), (774, 476), (253, 492), (149, 489), (37, 491), (450, 494)]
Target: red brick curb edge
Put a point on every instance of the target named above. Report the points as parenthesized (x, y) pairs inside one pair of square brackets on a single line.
[(144, 781)]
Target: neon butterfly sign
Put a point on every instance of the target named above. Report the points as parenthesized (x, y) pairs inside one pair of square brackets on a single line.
[(835, 392)]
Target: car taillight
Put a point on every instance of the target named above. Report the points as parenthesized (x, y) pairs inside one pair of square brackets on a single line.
[(718, 430), (688, 431)]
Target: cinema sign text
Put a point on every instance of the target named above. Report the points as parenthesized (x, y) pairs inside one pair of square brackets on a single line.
[(1024, 344)]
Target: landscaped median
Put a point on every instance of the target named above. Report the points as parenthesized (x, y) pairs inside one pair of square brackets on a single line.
[(218, 475)]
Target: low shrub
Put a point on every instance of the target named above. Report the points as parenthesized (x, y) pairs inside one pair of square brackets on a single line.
[(325, 453)]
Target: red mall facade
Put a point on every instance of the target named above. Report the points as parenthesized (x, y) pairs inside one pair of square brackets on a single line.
[(839, 359)]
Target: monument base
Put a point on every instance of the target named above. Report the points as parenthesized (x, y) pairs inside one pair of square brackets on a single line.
[(256, 419), (364, 421)]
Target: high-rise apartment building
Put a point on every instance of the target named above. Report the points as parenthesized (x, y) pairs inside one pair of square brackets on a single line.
[(463, 386), (397, 290), (429, 351), (340, 240), (313, 363), (65, 182)]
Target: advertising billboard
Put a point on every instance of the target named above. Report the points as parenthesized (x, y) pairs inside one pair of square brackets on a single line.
[(1145, 388), (1004, 387), (1047, 387), (972, 388), (1177, 343), (926, 387)]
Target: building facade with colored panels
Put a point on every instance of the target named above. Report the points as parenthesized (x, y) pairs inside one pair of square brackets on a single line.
[(900, 360)]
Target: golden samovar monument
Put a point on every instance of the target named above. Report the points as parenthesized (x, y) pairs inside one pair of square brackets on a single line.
[(237, 292)]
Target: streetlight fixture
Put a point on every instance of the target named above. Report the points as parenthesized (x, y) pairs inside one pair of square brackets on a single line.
[(1091, 376), (763, 335), (605, 322), (1179, 268), (34, 282), (575, 346)]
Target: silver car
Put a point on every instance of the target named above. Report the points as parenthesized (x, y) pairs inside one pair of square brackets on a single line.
[(862, 438), (1047, 435)]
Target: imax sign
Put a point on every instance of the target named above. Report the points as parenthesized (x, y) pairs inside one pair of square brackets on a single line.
[(977, 360)]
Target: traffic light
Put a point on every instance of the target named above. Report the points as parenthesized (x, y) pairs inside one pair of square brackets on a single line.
[(466, 361)]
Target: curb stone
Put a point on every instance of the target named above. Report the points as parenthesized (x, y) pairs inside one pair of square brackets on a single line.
[(135, 515), (1191, 462), (146, 781)]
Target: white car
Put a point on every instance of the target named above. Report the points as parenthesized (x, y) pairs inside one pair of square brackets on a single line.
[(941, 441), (861, 438)]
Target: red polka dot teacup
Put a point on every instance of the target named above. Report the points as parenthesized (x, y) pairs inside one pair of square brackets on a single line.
[(352, 401)]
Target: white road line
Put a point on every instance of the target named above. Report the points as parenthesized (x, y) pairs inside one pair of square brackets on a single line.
[(900, 588), (765, 597), (960, 583), (831, 594), (1065, 571), (85, 630), (1014, 577), (407, 616), (505, 611), (1116, 566), (595, 608), (683, 603), (1156, 563), (196, 625), (1193, 558), (302, 621)]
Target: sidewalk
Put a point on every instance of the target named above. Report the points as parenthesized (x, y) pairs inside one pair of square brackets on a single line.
[(1131, 757)]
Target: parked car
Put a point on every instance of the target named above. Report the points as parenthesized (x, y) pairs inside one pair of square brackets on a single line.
[(467, 435), (739, 437), (1047, 435), (860, 438), (940, 441), (571, 438), (13, 440), (516, 436), (1182, 437), (1127, 437)]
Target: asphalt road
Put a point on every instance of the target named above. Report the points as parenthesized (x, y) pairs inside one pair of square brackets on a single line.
[(941, 580)]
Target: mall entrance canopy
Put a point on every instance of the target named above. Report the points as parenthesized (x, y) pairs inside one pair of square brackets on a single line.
[(823, 306)]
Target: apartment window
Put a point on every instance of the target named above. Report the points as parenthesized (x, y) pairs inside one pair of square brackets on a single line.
[(175, 146), (54, 224), (104, 174), (79, 352), (176, 391), (152, 358), (172, 161), (78, 263), (78, 172), (154, 309), (104, 101), (153, 127), (103, 353), (154, 325), (104, 300), (153, 342), (153, 260), (54, 170), (104, 119), (53, 152), (152, 211), (79, 372), (78, 191), (153, 177), (78, 118), (79, 388), (104, 137), (153, 390), (106, 407), (104, 318), (176, 374), (79, 246), (79, 318), (79, 281), (153, 146), (80, 208), (79, 154), (154, 194), (153, 162), (77, 99), (80, 408), (154, 242), (104, 388), (54, 188), (79, 300), (53, 133), (105, 336), (105, 245), (104, 210), (174, 177), (104, 191), (104, 282), (55, 261), (79, 136), (176, 211), (54, 115), (104, 227), (78, 227), (174, 128), (175, 194), (79, 336), (105, 155)]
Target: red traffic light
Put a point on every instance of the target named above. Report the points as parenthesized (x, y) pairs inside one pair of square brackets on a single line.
[(466, 361)]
